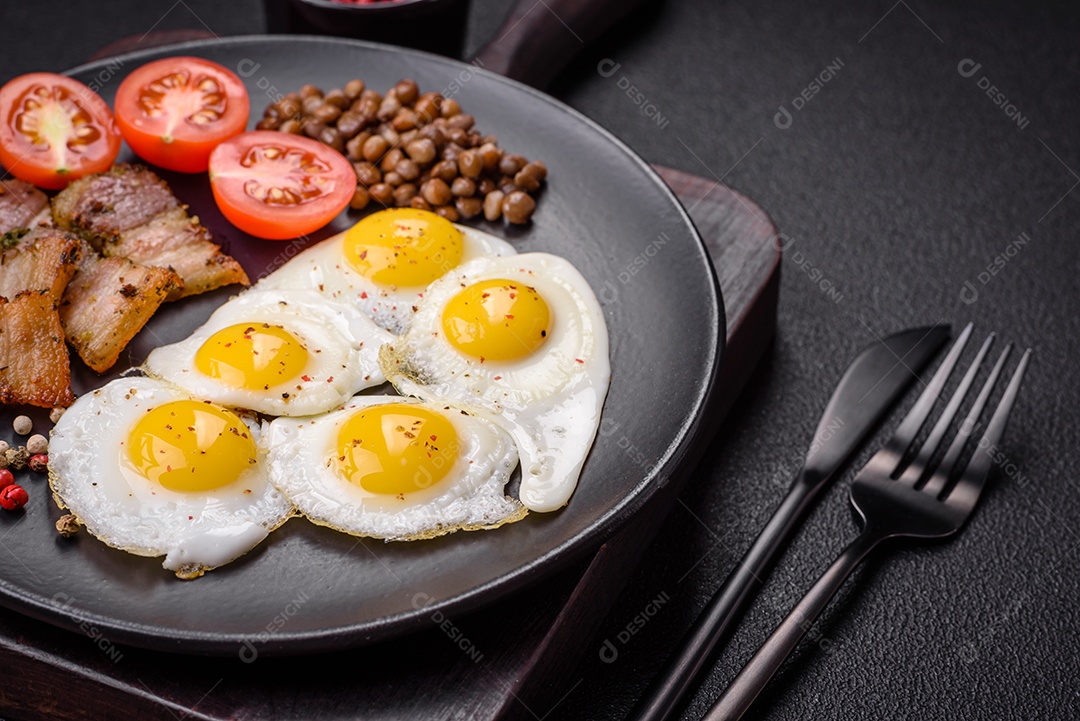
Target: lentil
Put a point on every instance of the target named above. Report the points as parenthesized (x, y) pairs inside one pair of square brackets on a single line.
[(463, 188), (493, 205), (518, 206), (449, 212), (403, 141), (469, 207), (361, 197), (436, 192)]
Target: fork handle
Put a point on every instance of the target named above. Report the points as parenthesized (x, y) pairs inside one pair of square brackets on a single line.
[(763, 666), (716, 620)]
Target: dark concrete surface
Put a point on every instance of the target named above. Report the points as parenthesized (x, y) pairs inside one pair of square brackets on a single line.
[(908, 196)]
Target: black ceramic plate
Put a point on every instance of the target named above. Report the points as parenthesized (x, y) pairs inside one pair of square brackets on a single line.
[(309, 589)]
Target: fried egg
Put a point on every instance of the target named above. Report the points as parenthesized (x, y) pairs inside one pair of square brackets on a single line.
[(150, 470), (523, 339), (394, 468), (383, 263), (280, 352)]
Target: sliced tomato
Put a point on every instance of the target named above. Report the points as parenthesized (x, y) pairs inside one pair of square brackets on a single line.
[(54, 130), (173, 112), (277, 186)]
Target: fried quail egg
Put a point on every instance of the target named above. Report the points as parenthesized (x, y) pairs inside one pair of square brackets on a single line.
[(394, 468), (523, 339), (280, 352), (384, 262), (152, 471)]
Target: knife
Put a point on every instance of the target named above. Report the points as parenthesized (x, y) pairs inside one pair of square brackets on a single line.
[(875, 380)]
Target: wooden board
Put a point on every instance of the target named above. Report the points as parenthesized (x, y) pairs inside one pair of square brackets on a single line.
[(511, 660)]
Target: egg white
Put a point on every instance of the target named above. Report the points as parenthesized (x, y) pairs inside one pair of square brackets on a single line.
[(550, 401), (300, 455), (196, 531), (342, 345), (323, 267)]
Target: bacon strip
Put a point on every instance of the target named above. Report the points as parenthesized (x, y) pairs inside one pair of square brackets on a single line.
[(108, 302), (131, 212)]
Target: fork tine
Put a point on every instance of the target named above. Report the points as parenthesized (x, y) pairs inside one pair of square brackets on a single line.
[(967, 490), (921, 463), (947, 466), (909, 428)]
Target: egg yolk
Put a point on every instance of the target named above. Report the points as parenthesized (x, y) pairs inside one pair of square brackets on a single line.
[(396, 448), (190, 446), (403, 247), (255, 356), (497, 319)]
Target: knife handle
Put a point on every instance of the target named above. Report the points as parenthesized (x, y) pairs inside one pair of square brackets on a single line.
[(753, 678), (539, 37), (725, 607)]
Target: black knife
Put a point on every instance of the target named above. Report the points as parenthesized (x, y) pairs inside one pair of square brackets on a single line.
[(873, 382)]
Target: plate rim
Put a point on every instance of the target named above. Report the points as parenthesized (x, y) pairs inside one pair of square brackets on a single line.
[(281, 643)]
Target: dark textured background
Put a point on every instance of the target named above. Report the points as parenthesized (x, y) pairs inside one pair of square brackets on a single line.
[(898, 181)]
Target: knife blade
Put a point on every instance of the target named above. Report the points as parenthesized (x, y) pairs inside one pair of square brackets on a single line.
[(873, 382)]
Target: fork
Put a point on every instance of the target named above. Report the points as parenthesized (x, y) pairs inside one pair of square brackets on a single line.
[(922, 498)]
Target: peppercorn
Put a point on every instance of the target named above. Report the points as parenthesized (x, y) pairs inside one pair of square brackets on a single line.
[(23, 425), (13, 497), (17, 457), (37, 443), (38, 463), (6, 478), (67, 525)]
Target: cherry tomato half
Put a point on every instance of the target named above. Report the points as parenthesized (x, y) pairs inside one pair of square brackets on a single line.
[(54, 130), (277, 186), (173, 112)]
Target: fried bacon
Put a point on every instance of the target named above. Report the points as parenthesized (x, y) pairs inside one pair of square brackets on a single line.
[(108, 302), (34, 365), (100, 207), (45, 261), (130, 212), (20, 204), (178, 241)]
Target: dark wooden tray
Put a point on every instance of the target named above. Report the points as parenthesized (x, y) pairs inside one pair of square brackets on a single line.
[(511, 660)]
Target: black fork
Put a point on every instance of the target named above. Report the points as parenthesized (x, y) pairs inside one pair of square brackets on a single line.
[(922, 499)]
